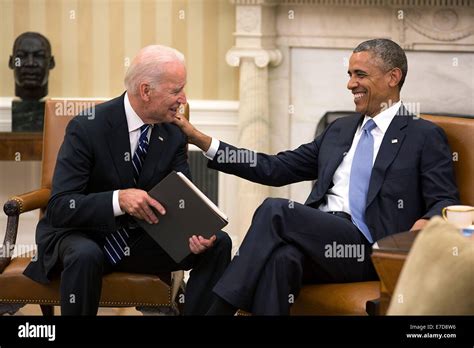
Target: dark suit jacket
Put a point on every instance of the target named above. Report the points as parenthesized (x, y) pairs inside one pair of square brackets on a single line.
[(412, 177), (93, 161)]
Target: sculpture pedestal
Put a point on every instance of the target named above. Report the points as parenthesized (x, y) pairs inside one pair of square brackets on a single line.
[(27, 116)]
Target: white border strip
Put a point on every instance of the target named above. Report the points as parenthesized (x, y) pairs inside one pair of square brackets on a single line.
[(207, 113)]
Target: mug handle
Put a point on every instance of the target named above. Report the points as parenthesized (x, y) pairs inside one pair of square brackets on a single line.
[(443, 212)]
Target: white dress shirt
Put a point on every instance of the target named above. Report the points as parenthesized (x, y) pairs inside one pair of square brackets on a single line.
[(134, 123), (337, 198)]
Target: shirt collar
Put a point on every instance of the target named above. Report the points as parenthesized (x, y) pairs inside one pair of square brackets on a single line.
[(383, 119), (134, 121)]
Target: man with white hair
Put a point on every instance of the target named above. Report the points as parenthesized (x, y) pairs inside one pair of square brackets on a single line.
[(105, 166)]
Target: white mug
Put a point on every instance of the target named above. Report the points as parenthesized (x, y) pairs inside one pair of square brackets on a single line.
[(459, 215)]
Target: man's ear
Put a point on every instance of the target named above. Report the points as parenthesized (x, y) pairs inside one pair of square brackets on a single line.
[(52, 63), (10, 63), (395, 77), (145, 91)]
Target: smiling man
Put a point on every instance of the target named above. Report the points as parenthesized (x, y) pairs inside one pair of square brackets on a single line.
[(380, 172), (104, 169)]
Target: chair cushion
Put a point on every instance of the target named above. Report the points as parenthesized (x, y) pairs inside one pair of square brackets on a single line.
[(118, 289), (57, 114), (459, 131), (446, 284), (335, 299)]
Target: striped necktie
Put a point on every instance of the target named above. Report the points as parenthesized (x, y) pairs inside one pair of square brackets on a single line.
[(361, 171), (116, 243)]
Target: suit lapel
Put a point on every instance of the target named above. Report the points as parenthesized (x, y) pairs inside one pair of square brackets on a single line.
[(391, 144), (346, 134), (340, 143), (158, 142), (119, 144)]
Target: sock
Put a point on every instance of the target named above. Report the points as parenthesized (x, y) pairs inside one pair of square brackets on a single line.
[(221, 307)]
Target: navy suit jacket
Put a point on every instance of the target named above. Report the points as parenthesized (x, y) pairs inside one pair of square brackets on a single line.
[(93, 161), (412, 177)]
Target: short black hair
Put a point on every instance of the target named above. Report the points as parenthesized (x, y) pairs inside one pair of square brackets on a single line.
[(391, 54)]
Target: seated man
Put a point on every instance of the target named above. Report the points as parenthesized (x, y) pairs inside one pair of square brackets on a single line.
[(378, 173), (104, 169)]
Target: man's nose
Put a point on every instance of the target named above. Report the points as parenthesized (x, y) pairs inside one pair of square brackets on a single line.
[(29, 59), (351, 84), (182, 98)]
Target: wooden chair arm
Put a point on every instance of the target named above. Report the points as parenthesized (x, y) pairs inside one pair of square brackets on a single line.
[(15, 206)]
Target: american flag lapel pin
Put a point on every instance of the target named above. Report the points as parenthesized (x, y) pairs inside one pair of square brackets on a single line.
[(394, 141)]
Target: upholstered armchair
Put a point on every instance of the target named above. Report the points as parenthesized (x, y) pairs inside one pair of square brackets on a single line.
[(361, 298)]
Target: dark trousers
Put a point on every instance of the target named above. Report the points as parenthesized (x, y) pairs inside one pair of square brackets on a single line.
[(289, 244), (83, 264)]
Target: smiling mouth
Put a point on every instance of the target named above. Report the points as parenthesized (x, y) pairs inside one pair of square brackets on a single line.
[(359, 95)]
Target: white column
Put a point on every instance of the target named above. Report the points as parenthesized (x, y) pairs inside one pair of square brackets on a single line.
[(253, 53)]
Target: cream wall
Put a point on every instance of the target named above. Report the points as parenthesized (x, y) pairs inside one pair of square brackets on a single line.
[(93, 41)]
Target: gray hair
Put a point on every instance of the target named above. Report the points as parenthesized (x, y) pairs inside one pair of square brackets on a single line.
[(391, 54), (149, 65)]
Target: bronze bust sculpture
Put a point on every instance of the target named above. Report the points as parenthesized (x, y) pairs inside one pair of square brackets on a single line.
[(31, 61)]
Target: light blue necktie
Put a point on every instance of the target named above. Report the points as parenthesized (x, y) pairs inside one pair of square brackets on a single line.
[(360, 178), (116, 243)]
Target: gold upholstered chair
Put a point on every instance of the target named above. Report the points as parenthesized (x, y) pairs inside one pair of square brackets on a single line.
[(360, 298)]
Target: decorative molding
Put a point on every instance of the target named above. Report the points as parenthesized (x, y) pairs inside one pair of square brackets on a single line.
[(445, 19), (214, 113), (248, 19), (255, 26), (382, 3), (6, 102), (206, 113), (414, 28), (6, 114), (440, 26), (256, 2), (262, 57)]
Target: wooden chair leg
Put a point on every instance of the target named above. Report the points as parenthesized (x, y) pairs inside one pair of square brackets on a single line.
[(372, 307), (47, 310)]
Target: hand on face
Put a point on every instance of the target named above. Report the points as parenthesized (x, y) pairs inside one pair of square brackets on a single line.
[(182, 122)]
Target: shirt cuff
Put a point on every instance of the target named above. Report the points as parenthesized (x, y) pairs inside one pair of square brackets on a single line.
[(211, 152), (116, 204)]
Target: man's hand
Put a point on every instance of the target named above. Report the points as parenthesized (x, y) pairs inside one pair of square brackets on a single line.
[(419, 224), (199, 244), (137, 203), (195, 137)]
